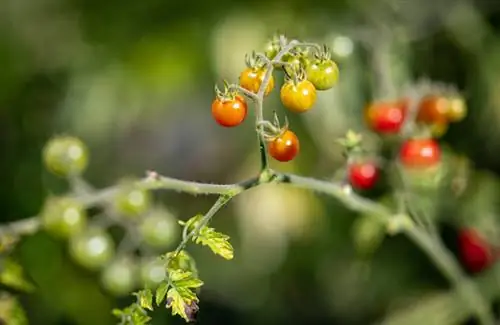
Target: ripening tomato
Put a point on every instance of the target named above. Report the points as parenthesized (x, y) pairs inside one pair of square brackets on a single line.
[(433, 109), (386, 117), (252, 78), (298, 97), (229, 112), (284, 147), (363, 175), (475, 252), (420, 153), (457, 110), (323, 73)]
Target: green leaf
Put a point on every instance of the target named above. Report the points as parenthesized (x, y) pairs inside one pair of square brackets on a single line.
[(182, 303), (182, 261), (177, 275), (161, 291), (184, 279), (145, 299), (12, 275), (11, 311), (216, 241), (132, 315)]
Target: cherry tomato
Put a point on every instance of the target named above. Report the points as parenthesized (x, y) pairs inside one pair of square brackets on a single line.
[(92, 248), (153, 272), (229, 112), (252, 78), (433, 109), (420, 153), (298, 97), (159, 228), (285, 147), (132, 201), (457, 110), (65, 155), (363, 176), (63, 216), (323, 73), (475, 252), (119, 277), (386, 117)]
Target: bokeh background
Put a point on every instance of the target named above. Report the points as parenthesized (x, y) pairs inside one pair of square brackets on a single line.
[(134, 80)]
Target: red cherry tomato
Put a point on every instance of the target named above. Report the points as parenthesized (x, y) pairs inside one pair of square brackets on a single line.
[(229, 113), (475, 252), (386, 117), (420, 153), (285, 147), (363, 176)]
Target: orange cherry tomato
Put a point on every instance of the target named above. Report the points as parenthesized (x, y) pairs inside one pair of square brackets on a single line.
[(420, 153), (284, 147), (252, 78), (229, 112), (433, 110)]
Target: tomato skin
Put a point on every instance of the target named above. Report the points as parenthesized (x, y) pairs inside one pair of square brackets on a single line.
[(152, 272), (433, 110), (420, 153), (457, 110), (159, 228), (92, 248), (131, 201), (229, 113), (475, 252), (63, 216), (119, 277), (65, 156), (252, 78), (363, 175), (386, 117), (323, 74), (298, 97), (285, 147)]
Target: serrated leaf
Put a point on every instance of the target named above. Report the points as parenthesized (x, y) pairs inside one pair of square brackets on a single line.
[(12, 275), (182, 261), (192, 283), (216, 241), (132, 315), (146, 299), (177, 275), (182, 303), (161, 291)]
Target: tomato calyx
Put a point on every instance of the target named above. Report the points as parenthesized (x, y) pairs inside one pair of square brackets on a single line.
[(228, 94), (323, 54), (255, 61), (274, 130), (295, 74)]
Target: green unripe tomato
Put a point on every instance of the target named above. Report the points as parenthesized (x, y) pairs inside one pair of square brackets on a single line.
[(153, 272), (323, 73), (63, 216), (65, 155), (132, 201), (92, 248), (119, 277), (159, 229)]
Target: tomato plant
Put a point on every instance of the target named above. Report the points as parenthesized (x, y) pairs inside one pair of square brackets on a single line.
[(63, 216), (132, 201), (476, 253), (420, 152), (285, 146), (92, 248), (229, 112), (363, 175), (159, 228), (386, 117), (65, 156), (299, 96), (119, 277), (252, 77)]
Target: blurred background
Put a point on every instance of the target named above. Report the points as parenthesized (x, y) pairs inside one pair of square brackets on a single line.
[(135, 80)]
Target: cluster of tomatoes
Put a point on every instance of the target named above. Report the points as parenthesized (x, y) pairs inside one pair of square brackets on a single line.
[(433, 114), (305, 74), (89, 239)]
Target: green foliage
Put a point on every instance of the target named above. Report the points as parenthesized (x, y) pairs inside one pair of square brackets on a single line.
[(11, 312), (12, 275), (132, 315), (216, 241)]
